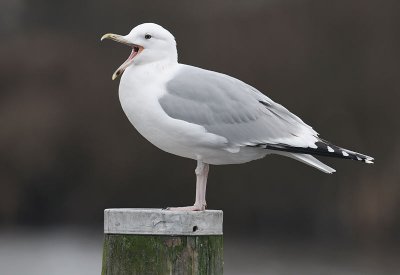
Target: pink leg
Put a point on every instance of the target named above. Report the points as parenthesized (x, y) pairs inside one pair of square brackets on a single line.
[(201, 183)]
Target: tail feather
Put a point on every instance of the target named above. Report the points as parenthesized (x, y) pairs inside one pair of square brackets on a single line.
[(309, 160)]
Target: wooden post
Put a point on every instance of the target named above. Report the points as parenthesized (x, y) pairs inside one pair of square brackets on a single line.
[(155, 241)]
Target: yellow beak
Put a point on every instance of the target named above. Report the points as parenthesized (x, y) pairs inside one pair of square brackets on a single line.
[(136, 49)]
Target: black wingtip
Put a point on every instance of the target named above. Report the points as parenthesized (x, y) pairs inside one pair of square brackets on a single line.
[(322, 148), (342, 152)]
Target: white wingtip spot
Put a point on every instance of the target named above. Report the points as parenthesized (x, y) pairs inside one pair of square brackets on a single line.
[(330, 149), (233, 150), (345, 154), (369, 161)]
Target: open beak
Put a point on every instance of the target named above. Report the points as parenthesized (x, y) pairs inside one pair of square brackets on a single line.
[(136, 49)]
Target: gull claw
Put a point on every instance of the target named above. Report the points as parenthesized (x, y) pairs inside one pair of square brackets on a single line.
[(187, 208)]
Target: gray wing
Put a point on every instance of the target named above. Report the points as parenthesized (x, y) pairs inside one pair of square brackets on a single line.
[(228, 107)]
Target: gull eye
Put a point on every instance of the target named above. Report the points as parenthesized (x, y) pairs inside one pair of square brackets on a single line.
[(147, 36)]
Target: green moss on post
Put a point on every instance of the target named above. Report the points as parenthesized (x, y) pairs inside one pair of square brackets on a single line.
[(142, 241), (141, 254)]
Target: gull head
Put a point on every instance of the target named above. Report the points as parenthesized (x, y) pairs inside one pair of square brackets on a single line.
[(149, 42)]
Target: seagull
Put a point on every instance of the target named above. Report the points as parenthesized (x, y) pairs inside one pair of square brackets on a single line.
[(208, 116)]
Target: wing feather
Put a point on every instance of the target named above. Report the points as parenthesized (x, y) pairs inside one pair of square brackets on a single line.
[(230, 108)]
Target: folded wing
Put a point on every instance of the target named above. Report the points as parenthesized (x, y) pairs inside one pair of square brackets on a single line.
[(228, 107)]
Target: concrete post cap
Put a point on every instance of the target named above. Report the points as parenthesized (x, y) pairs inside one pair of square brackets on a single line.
[(149, 221)]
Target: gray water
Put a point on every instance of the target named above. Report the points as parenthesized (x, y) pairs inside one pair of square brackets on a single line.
[(66, 252)]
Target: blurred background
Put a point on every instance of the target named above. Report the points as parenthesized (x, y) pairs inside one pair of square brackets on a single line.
[(67, 151)]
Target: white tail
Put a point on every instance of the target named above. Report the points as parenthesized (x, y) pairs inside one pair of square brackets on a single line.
[(309, 160)]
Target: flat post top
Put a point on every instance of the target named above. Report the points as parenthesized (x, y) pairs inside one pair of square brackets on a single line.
[(149, 221)]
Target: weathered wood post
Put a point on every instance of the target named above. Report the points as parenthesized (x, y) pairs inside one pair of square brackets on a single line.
[(155, 241)]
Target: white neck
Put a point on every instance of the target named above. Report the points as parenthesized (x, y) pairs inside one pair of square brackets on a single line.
[(136, 76), (158, 66)]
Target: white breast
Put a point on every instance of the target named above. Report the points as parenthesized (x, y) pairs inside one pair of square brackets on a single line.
[(139, 91)]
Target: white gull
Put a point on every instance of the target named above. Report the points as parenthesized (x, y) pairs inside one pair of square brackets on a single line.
[(208, 116)]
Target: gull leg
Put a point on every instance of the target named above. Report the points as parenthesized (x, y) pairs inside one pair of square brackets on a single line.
[(201, 184)]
